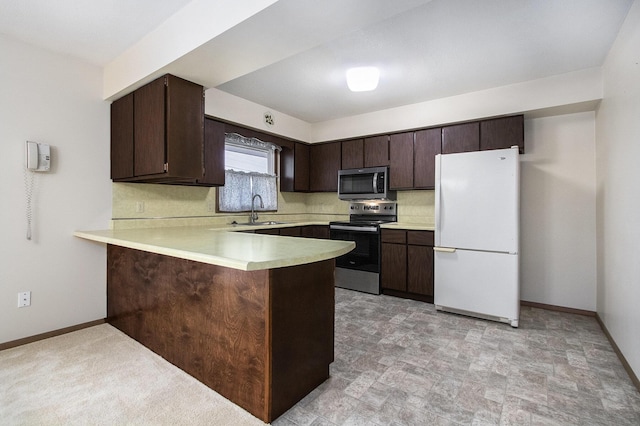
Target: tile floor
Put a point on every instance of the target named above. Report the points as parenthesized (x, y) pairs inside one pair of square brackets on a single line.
[(399, 362)]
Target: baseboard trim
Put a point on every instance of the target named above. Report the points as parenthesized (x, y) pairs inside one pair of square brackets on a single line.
[(618, 352), (38, 337), (558, 308)]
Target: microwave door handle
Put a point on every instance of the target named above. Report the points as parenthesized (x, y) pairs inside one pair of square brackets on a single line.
[(375, 182)]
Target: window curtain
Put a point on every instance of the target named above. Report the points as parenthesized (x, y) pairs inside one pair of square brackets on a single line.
[(240, 187)]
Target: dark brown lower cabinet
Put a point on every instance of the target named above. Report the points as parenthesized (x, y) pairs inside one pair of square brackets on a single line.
[(262, 339), (294, 231), (268, 231), (406, 268), (309, 231), (316, 231), (393, 260)]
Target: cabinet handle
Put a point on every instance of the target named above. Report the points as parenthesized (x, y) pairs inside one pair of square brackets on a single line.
[(444, 249)]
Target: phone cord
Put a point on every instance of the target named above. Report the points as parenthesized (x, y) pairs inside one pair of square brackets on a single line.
[(29, 178)]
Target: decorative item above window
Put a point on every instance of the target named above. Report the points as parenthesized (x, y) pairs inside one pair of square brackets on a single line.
[(236, 139), (249, 170)]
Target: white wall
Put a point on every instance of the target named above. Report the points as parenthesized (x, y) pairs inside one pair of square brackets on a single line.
[(558, 217), (55, 100), (618, 191), (188, 29), (560, 94), (233, 108), (575, 90)]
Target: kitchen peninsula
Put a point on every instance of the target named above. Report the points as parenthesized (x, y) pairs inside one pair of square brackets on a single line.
[(249, 315)]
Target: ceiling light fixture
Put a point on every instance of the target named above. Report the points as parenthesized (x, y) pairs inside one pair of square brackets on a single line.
[(362, 79)]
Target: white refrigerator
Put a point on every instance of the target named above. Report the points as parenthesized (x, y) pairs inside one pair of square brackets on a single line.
[(477, 210)]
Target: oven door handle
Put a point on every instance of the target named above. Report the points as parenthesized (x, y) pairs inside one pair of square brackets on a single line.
[(369, 229)]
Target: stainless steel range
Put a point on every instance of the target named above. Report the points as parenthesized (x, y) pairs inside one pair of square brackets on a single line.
[(360, 269)]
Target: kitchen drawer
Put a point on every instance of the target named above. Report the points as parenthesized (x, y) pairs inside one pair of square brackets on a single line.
[(394, 236), (268, 231), (294, 231), (420, 238)]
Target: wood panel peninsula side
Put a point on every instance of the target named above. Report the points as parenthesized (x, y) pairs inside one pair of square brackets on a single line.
[(249, 315)]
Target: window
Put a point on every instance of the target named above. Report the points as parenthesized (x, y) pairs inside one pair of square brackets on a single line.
[(249, 170)]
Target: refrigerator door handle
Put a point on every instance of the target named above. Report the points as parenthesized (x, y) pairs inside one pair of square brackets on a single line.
[(444, 249)]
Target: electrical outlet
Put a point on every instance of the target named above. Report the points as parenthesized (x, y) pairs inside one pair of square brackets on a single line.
[(24, 299), (139, 206)]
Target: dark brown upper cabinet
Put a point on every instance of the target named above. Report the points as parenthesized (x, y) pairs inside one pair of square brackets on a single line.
[(401, 157), (213, 153), (461, 138), (376, 151), (294, 167), (323, 167), (426, 146), (159, 130), (287, 166), (353, 154), (503, 132), (122, 138)]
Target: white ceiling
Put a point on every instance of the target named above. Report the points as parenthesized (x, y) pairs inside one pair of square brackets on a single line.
[(291, 57)]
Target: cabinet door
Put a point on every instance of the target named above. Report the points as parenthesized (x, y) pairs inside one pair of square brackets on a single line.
[(301, 167), (353, 154), (122, 138), (184, 115), (149, 128), (502, 132), (426, 146), (461, 138), (420, 270), (287, 166), (393, 267), (401, 161), (376, 151), (213, 153), (323, 167)]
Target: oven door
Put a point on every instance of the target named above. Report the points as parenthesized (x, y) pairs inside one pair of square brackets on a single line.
[(366, 255)]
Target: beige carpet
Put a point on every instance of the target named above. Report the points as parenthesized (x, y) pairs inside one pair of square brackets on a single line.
[(100, 376)]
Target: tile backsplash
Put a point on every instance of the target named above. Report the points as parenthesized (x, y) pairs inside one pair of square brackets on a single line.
[(147, 205)]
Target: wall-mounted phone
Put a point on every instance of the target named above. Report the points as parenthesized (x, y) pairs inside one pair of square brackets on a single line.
[(38, 157)]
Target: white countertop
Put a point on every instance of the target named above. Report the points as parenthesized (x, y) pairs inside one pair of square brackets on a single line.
[(218, 246)]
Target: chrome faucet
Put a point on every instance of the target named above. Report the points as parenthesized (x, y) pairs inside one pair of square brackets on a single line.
[(254, 215)]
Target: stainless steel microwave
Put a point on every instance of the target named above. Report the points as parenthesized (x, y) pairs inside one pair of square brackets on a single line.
[(371, 183)]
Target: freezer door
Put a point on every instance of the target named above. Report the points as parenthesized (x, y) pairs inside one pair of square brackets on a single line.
[(478, 283), (477, 200)]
